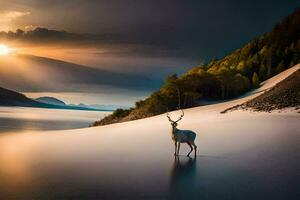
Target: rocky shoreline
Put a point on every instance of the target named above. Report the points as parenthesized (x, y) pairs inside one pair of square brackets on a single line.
[(283, 95)]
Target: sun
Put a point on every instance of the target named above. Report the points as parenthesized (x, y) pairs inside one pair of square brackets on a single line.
[(4, 50)]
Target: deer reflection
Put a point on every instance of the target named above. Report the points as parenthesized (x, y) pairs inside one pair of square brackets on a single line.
[(183, 177)]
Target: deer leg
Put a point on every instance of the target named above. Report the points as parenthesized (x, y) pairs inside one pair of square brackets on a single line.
[(175, 148), (191, 149), (176, 160), (195, 147), (178, 148)]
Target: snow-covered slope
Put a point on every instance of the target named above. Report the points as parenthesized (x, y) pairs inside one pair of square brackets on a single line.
[(241, 155)]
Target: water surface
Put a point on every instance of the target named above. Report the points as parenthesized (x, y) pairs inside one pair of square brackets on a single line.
[(20, 119), (135, 161)]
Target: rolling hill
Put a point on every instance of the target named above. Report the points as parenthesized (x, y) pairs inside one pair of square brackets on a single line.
[(39, 74), (12, 98), (50, 100)]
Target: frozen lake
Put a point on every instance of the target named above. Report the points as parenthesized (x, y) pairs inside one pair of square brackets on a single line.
[(240, 156)]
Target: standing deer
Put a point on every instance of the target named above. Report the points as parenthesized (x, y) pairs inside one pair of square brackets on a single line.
[(182, 136)]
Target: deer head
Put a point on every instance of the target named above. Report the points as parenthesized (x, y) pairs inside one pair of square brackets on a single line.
[(174, 123)]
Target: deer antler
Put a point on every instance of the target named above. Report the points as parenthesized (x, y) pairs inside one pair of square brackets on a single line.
[(181, 116), (168, 116), (182, 112)]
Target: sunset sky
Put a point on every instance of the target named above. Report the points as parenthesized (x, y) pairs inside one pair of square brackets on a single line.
[(134, 44)]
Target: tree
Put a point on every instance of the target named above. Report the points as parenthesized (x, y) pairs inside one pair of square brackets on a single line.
[(280, 67), (240, 84), (269, 71), (255, 80), (262, 72), (171, 79)]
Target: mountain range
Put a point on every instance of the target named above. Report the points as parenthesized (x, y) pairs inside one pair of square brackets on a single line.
[(55, 101), (39, 74), (12, 98)]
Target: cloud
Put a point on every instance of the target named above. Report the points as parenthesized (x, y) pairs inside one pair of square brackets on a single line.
[(102, 44), (30, 27), (197, 28), (8, 17), (103, 51), (11, 15)]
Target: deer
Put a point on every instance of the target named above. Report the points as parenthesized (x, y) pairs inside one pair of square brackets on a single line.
[(182, 136)]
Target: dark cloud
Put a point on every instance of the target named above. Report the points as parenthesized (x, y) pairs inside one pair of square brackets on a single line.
[(194, 28), (114, 44), (152, 38)]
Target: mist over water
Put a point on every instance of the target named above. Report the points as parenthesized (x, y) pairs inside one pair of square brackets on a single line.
[(20, 119)]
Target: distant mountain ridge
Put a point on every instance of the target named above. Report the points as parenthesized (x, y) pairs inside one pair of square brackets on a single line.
[(55, 101), (50, 100), (12, 98), (66, 76), (104, 107)]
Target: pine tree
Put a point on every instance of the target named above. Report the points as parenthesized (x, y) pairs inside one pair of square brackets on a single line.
[(269, 71), (262, 72), (280, 67), (255, 80)]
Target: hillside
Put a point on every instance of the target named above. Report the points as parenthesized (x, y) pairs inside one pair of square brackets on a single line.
[(226, 78), (50, 100), (64, 76), (12, 98), (284, 94)]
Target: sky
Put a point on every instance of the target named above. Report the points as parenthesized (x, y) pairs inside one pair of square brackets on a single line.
[(146, 38)]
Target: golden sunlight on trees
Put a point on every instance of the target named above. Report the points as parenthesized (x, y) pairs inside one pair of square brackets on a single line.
[(255, 80)]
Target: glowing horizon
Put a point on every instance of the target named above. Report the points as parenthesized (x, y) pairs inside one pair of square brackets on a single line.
[(4, 50)]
